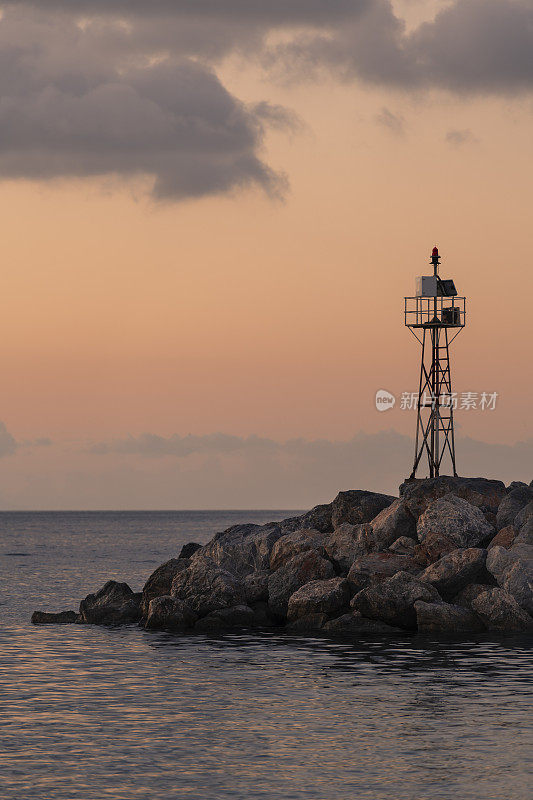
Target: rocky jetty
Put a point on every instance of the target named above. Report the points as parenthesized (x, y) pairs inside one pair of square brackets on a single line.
[(449, 555)]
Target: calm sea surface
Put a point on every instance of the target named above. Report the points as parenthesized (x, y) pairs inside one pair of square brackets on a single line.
[(90, 713)]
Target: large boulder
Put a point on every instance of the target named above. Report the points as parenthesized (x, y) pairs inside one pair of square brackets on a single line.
[(301, 569), (434, 546), (504, 538), (319, 597), (523, 516), (354, 625), (500, 612), (256, 587), (513, 571), (241, 616), (318, 519), (376, 567), (347, 542), (59, 618), (395, 521), (241, 549), (160, 581), (393, 600), (456, 519), (524, 525), (205, 586), (445, 618), (455, 570), (419, 493), (291, 544), (169, 614), (512, 504), (519, 583), (113, 604), (357, 506), (189, 549)]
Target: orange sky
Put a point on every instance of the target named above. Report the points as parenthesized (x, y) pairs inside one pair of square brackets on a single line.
[(253, 316)]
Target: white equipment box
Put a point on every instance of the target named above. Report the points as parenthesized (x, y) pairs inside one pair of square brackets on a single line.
[(426, 286)]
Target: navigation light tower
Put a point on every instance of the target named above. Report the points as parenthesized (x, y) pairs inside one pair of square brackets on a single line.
[(435, 317)]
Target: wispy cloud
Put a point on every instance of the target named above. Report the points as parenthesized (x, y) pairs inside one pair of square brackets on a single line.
[(458, 138)]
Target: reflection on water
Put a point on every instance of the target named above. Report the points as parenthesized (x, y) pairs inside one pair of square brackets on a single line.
[(123, 714)]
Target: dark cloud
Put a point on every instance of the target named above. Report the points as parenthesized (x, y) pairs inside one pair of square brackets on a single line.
[(129, 88), (478, 46), (71, 106)]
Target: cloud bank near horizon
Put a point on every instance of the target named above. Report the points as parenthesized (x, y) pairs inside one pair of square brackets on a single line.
[(224, 471), (111, 87)]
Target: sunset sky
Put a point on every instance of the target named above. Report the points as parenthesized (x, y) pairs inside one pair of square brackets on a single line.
[(211, 213)]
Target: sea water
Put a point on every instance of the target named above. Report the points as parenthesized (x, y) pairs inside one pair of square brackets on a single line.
[(89, 713)]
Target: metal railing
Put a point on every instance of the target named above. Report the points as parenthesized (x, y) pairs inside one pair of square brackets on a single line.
[(429, 312)]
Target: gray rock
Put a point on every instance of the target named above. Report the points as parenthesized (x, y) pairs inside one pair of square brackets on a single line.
[(205, 586), (469, 593), (480, 492), (354, 506), (169, 614), (61, 618), (519, 584), (393, 600), (319, 519), (240, 616), (318, 597), (404, 546), (189, 549), (378, 566), (299, 541), (456, 519), (241, 549), (513, 571), (256, 587), (455, 570), (515, 485), (512, 504), (499, 561), (434, 546), (445, 618), (160, 581), (347, 542), (113, 604), (523, 516), (298, 571), (309, 622), (354, 624), (500, 612), (393, 522), (525, 531), (357, 506)]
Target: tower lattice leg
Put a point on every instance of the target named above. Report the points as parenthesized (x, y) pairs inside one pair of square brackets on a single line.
[(435, 429)]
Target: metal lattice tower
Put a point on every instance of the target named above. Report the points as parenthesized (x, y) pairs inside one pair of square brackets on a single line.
[(435, 317)]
